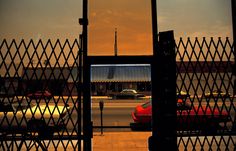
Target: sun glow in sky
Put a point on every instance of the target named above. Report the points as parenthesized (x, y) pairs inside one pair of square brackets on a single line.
[(132, 18), (58, 19)]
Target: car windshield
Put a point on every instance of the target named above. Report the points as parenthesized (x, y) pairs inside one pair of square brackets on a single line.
[(22, 105), (128, 91), (145, 105), (15, 106)]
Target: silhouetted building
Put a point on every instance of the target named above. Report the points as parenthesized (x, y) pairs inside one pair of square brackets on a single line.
[(104, 78)]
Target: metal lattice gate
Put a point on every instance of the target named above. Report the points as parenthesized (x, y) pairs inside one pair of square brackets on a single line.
[(40, 99), (206, 83)]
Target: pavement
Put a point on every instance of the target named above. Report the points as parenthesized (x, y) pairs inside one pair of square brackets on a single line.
[(111, 141), (120, 141)]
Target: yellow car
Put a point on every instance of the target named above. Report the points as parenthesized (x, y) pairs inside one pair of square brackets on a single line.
[(22, 116)]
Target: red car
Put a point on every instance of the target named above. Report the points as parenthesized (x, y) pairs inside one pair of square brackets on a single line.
[(188, 117), (40, 95)]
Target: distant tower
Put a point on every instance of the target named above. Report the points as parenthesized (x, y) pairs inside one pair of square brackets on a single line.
[(115, 45)]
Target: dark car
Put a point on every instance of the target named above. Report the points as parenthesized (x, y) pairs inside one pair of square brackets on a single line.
[(4, 93), (188, 117), (40, 95), (126, 94)]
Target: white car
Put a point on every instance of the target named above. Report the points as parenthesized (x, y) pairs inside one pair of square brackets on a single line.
[(23, 116)]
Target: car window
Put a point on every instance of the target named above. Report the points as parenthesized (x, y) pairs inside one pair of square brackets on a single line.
[(22, 105), (125, 91), (14, 105), (128, 91)]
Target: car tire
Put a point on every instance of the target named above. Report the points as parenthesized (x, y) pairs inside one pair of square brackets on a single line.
[(36, 125), (46, 133), (41, 128)]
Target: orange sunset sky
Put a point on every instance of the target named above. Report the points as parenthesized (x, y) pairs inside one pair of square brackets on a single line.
[(58, 19)]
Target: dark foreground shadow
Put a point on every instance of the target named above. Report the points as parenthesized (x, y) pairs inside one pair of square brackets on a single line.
[(187, 131), (140, 127)]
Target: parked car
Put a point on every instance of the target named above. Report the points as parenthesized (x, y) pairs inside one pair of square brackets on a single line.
[(126, 94), (40, 95), (4, 93), (23, 116), (182, 94), (188, 117), (217, 93)]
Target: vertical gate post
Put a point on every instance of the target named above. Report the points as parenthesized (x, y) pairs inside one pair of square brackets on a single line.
[(87, 123), (164, 135), (233, 6)]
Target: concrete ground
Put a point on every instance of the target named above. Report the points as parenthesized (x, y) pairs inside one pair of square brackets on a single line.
[(121, 141)]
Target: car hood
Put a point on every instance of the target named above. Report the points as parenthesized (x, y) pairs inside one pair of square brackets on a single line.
[(38, 112), (47, 111), (200, 111), (144, 111)]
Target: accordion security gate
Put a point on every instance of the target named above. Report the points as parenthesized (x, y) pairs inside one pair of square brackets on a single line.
[(40, 99), (40, 93), (206, 72)]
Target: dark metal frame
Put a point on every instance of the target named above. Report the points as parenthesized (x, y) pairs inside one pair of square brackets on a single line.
[(154, 61), (233, 6), (87, 123)]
